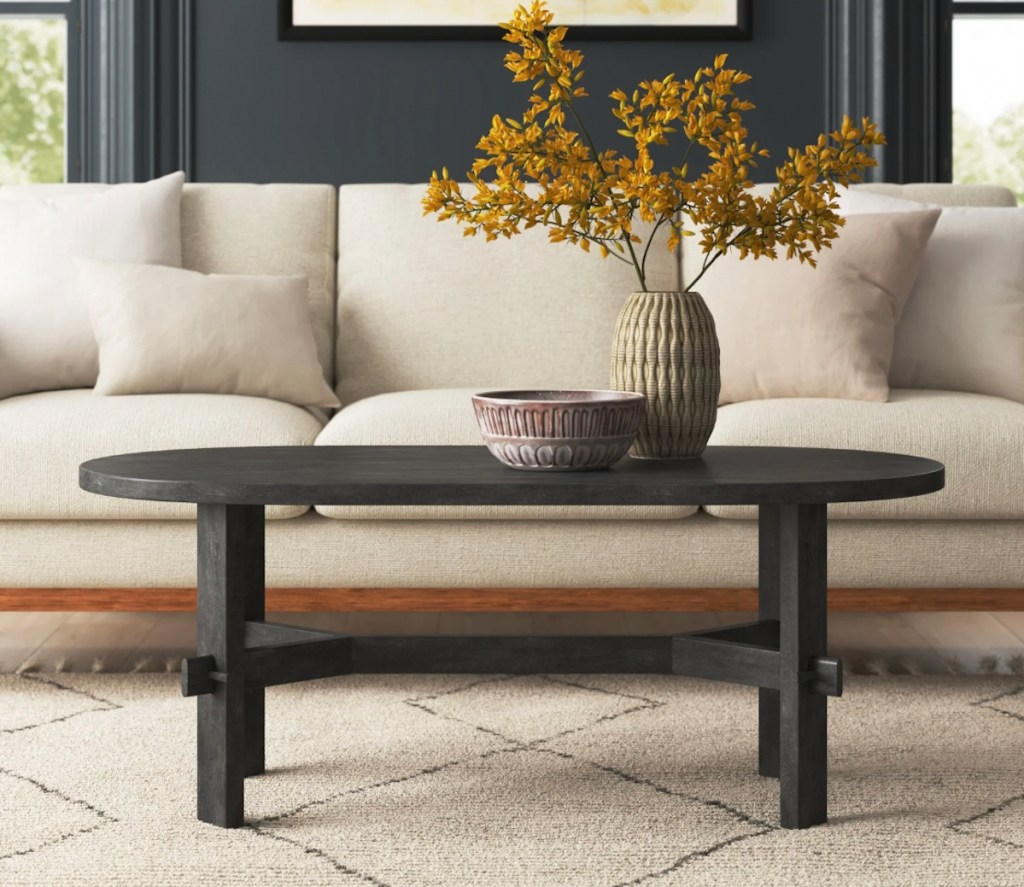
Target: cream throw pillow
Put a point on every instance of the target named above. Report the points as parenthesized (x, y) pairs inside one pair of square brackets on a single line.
[(165, 330), (46, 340), (790, 330), (963, 326)]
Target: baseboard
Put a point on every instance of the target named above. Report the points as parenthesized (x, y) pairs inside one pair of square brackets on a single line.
[(509, 600)]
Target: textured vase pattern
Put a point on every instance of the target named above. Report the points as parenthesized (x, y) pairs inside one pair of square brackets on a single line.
[(559, 437), (665, 347)]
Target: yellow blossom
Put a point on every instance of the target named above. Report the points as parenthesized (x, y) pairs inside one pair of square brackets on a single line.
[(544, 173)]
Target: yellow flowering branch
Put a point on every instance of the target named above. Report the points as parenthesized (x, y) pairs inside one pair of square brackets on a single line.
[(544, 173)]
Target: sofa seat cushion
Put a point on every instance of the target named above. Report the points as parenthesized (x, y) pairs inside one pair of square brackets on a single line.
[(979, 439), (444, 417), (44, 437)]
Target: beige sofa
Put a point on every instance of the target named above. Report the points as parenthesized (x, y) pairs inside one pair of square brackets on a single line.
[(410, 317)]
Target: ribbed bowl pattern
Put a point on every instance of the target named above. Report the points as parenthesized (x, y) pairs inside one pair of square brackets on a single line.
[(561, 431), (605, 420), (665, 347)]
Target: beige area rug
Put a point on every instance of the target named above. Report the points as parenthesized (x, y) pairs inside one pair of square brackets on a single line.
[(532, 781)]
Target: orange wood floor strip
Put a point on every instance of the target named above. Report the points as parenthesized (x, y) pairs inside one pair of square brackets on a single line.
[(561, 600)]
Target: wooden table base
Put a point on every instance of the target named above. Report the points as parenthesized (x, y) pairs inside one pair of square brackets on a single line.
[(783, 653)]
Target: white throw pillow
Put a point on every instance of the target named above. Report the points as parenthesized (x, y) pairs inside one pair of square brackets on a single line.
[(963, 325), (165, 330), (46, 340), (790, 330)]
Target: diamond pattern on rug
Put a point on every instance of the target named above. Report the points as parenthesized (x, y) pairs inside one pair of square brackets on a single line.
[(572, 816), (360, 734), (52, 702), (557, 706), (367, 790), (1009, 703), (45, 816), (1003, 823), (671, 750)]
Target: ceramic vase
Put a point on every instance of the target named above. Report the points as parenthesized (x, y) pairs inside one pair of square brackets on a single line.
[(665, 348)]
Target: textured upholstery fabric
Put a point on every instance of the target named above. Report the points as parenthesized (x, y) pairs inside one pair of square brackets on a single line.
[(312, 551), (444, 418), (421, 306), (268, 229), (46, 339), (170, 331), (963, 326), (788, 329), (937, 194), (945, 194), (254, 229), (44, 437), (279, 230), (979, 439)]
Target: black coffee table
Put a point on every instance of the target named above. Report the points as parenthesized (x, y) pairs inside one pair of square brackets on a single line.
[(240, 653)]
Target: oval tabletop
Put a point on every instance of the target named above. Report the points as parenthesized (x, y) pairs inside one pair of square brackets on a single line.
[(466, 475)]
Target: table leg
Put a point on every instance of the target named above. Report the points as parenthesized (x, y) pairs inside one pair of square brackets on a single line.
[(254, 567), (803, 617), (230, 551), (768, 608)]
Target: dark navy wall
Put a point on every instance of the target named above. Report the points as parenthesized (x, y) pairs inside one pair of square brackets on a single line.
[(267, 111)]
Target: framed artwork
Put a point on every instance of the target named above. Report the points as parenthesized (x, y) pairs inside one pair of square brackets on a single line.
[(477, 19)]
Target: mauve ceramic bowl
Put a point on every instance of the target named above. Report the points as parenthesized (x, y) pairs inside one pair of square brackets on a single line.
[(558, 430)]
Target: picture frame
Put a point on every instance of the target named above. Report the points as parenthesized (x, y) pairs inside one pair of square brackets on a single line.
[(447, 27)]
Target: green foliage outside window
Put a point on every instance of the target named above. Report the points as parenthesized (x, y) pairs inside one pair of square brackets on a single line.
[(992, 154), (32, 97)]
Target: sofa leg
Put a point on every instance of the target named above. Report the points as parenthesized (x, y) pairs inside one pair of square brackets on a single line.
[(230, 722)]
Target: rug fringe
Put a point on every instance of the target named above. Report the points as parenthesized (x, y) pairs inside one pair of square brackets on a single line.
[(989, 664), (876, 667), (856, 664)]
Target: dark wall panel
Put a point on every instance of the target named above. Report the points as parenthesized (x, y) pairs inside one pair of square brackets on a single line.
[(267, 111)]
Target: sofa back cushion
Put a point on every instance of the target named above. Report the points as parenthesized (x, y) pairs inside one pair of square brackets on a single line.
[(421, 306), (892, 197), (944, 193), (933, 194), (254, 229)]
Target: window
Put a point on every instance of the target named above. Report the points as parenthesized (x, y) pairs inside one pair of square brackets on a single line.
[(38, 49), (988, 93)]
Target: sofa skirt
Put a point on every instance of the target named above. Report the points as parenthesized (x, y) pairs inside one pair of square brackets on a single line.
[(699, 552)]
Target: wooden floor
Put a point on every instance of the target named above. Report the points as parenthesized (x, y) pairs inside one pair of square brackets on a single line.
[(929, 643)]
